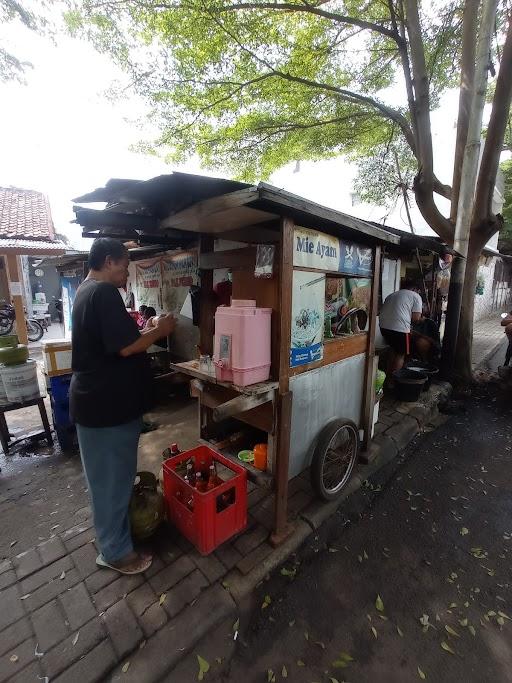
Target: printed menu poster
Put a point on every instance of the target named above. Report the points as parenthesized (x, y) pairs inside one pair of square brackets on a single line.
[(307, 330)]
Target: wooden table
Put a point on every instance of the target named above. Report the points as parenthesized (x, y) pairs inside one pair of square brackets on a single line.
[(4, 430)]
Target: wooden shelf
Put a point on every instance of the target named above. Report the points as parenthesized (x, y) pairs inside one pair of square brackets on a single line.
[(192, 368)]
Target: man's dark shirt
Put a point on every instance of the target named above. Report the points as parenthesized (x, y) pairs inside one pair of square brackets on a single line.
[(106, 389)]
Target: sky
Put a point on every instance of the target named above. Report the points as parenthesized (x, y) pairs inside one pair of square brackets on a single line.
[(64, 137)]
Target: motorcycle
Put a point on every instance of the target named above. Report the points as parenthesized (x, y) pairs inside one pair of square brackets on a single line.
[(8, 316)]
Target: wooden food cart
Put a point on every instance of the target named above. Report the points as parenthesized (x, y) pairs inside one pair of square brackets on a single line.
[(317, 406)]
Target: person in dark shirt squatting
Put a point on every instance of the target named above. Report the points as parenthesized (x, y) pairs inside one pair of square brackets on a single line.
[(109, 393)]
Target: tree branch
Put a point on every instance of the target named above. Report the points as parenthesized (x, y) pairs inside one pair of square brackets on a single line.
[(309, 9), (495, 134), (467, 77)]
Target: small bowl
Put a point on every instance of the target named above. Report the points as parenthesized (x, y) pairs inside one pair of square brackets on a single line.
[(246, 456)]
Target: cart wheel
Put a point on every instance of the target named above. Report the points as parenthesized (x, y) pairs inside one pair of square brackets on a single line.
[(334, 458)]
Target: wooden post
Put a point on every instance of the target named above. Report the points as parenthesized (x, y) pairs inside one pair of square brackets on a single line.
[(15, 289), (369, 383), (207, 304), (284, 399)]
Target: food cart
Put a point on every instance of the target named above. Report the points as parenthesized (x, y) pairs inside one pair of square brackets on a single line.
[(321, 280)]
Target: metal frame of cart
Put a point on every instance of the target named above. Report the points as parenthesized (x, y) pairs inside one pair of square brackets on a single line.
[(299, 405)]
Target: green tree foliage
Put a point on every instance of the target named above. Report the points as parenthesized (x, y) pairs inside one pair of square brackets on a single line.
[(12, 68), (254, 85)]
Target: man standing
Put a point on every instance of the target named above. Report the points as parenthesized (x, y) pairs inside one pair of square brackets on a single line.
[(110, 391), (395, 317)]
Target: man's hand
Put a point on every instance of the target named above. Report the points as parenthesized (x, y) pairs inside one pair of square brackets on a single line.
[(166, 324)]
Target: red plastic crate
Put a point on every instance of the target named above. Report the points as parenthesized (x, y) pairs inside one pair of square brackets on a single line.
[(206, 526)]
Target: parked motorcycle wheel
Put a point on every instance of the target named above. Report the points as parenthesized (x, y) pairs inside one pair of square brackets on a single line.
[(6, 325), (34, 330)]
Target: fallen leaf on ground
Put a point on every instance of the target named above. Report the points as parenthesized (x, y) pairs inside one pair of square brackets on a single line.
[(284, 672), (399, 631), (464, 531), (162, 599), (306, 635), (320, 644), (271, 677), (447, 648), (300, 662), (421, 674), (333, 680), (288, 572), (502, 614), (291, 623), (37, 653), (500, 621), (346, 657), (379, 604), (374, 631), (451, 631), (471, 629), (62, 576), (266, 602), (204, 667), (125, 667), (75, 639), (463, 622), (218, 660), (365, 554), (13, 543), (13, 658), (236, 625), (339, 664), (24, 597)]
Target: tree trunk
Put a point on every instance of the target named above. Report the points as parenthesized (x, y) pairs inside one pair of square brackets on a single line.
[(462, 370)]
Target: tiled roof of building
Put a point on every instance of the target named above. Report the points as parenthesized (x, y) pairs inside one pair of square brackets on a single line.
[(34, 247), (25, 214)]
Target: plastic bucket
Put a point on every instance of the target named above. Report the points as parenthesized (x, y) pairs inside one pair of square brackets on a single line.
[(408, 384), (423, 368), (20, 381)]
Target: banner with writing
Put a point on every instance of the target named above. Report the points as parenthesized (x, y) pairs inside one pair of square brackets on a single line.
[(148, 281), (312, 249), (179, 272)]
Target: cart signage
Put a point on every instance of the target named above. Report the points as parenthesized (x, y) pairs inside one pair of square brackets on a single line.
[(317, 250), (149, 283), (307, 329)]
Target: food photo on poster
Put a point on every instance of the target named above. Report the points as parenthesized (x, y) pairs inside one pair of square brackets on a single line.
[(307, 331)]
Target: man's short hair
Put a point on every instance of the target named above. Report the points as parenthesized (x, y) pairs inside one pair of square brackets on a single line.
[(103, 247), (149, 312), (408, 284)]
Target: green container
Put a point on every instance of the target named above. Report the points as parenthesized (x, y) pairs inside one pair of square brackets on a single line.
[(9, 340), (14, 355)]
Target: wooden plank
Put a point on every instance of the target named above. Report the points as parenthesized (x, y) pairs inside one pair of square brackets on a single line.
[(191, 367), (219, 214), (14, 276), (236, 259), (207, 301), (105, 218), (240, 404), (335, 273), (285, 199), (335, 350), (285, 296), (261, 417), (284, 419), (265, 291), (369, 371)]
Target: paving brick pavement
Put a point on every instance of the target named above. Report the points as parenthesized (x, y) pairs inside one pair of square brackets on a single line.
[(65, 619)]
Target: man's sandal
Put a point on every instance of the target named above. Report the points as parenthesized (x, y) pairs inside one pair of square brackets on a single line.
[(138, 566)]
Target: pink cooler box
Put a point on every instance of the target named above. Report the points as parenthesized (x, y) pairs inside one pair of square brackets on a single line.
[(242, 343)]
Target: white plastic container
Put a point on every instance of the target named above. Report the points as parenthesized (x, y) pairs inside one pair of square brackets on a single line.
[(242, 343), (57, 357), (20, 381)]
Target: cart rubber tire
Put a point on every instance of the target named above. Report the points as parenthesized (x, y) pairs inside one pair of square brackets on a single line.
[(319, 454)]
